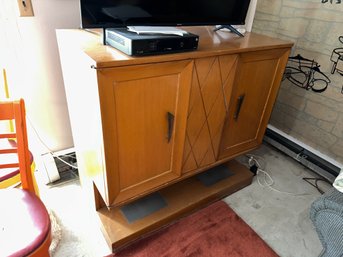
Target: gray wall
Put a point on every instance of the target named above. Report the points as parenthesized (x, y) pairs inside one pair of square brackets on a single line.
[(315, 119)]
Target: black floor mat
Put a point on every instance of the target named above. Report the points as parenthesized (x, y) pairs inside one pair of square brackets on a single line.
[(143, 207), (214, 175)]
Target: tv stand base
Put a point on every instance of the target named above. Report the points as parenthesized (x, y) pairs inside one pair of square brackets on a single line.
[(229, 27), (182, 199)]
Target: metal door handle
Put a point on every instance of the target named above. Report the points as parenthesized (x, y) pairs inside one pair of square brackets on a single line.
[(238, 106), (170, 118)]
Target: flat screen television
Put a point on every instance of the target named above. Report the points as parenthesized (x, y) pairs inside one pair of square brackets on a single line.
[(122, 13)]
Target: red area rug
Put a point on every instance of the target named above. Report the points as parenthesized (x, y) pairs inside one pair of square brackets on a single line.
[(213, 231)]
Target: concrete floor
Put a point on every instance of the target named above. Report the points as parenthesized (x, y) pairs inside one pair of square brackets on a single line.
[(281, 219), (81, 235)]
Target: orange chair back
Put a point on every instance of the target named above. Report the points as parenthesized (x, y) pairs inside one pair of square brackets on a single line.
[(15, 110)]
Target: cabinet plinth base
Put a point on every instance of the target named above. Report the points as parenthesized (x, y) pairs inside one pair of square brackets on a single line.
[(182, 199)]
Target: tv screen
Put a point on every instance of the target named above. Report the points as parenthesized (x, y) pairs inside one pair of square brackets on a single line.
[(121, 13)]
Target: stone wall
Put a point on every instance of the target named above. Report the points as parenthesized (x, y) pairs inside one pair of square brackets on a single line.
[(314, 26)]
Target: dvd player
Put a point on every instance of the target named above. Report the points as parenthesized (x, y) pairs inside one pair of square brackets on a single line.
[(149, 44)]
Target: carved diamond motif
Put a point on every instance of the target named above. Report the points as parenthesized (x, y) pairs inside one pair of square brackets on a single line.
[(211, 90)]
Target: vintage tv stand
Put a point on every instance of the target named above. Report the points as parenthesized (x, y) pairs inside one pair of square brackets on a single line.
[(151, 123)]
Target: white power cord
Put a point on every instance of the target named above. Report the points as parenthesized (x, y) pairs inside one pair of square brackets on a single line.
[(49, 150), (267, 180)]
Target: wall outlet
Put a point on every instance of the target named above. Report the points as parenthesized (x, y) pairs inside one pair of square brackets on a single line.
[(25, 8)]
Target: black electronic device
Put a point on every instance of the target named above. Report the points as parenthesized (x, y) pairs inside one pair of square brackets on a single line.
[(122, 13), (148, 44)]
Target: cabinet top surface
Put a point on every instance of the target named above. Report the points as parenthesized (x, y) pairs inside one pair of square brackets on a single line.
[(210, 43)]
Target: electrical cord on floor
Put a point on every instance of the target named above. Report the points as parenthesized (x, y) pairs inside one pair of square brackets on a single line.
[(316, 180), (45, 145), (266, 180)]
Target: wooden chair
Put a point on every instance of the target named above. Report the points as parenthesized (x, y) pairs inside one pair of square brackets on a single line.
[(25, 228), (11, 177)]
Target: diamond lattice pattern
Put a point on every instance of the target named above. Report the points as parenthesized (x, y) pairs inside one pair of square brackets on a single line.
[(210, 94)]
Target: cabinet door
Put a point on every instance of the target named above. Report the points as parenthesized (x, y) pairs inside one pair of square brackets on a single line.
[(144, 111), (254, 92)]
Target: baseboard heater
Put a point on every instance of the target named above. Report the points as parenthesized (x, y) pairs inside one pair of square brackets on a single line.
[(303, 154)]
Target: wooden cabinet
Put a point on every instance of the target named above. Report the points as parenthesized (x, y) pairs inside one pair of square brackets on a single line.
[(153, 121), (144, 112)]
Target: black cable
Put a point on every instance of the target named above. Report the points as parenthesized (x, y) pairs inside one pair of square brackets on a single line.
[(316, 183)]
